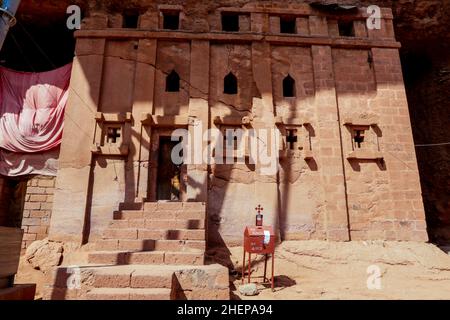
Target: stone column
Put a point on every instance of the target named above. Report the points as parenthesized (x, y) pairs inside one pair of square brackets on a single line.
[(335, 221), (143, 103), (266, 188), (197, 180), (402, 204), (329, 150), (72, 184)]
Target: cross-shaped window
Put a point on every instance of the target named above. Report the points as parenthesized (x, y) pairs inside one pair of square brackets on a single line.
[(291, 139), (112, 135), (359, 138)]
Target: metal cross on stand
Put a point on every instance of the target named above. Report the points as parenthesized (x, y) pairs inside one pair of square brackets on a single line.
[(259, 209)]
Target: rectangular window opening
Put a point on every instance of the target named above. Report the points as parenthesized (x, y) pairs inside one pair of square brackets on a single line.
[(346, 28), (171, 20), (130, 19), (288, 25), (230, 22)]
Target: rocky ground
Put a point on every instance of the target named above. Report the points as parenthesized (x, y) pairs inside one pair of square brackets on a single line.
[(329, 270)]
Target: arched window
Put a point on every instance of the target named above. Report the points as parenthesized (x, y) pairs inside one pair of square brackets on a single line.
[(288, 87), (230, 84), (173, 82)]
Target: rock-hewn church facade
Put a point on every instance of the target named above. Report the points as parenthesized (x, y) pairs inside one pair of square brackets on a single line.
[(331, 85)]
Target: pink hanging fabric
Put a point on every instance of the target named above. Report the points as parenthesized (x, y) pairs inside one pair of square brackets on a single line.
[(31, 118)]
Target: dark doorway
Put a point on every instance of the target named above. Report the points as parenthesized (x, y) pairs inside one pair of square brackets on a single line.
[(169, 174), (12, 202)]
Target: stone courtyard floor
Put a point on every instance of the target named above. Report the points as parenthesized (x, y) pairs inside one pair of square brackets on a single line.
[(330, 270)]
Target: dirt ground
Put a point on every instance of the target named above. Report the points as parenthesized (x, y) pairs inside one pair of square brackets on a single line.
[(331, 270)]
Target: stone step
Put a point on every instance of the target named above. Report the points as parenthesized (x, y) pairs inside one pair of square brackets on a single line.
[(133, 276), (174, 206), (129, 294), (160, 214), (131, 206), (159, 224), (149, 258), (180, 245), (149, 245), (146, 234)]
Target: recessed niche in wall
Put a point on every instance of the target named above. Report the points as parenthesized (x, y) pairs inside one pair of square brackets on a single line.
[(230, 84), (288, 24), (171, 20), (365, 135), (296, 134), (230, 22), (358, 138), (288, 87), (112, 134), (346, 28), (173, 82), (130, 19)]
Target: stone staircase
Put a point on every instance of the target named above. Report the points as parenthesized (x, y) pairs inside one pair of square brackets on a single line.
[(161, 233), (155, 253)]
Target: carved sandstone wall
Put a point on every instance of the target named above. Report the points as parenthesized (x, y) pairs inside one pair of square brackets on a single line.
[(421, 26), (325, 189)]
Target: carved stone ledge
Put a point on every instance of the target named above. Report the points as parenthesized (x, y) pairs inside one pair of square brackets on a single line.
[(363, 120), (288, 121), (308, 154), (365, 155), (113, 117), (233, 121), (123, 150), (293, 40), (164, 121)]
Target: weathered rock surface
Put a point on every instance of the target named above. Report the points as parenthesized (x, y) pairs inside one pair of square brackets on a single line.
[(44, 254), (341, 270), (248, 289)]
